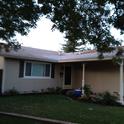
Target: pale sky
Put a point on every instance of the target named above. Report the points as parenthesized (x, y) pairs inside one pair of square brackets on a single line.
[(116, 34), (43, 37)]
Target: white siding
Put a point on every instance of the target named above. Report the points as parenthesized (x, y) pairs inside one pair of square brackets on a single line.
[(25, 85)]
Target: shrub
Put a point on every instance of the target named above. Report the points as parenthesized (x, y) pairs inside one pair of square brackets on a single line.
[(109, 99), (87, 90), (51, 90), (106, 98), (11, 92), (69, 93), (35, 92), (42, 91), (58, 90)]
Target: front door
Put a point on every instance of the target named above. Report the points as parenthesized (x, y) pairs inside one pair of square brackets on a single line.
[(1, 75), (67, 77)]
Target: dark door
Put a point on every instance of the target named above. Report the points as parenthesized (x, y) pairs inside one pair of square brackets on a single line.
[(1, 75), (67, 75)]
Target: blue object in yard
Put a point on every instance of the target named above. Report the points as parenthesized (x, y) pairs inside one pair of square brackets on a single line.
[(77, 92)]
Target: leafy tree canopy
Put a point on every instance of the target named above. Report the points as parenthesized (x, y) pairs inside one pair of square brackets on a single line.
[(88, 21), (17, 16)]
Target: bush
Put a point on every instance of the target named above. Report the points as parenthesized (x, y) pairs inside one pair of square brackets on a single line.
[(11, 92), (109, 99), (87, 90), (69, 93), (51, 90), (56, 90), (35, 92), (106, 98)]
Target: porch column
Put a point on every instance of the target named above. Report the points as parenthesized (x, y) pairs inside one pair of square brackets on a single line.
[(83, 77), (121, 83)]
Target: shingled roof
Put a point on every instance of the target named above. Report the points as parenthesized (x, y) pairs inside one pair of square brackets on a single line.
[(29, 53)]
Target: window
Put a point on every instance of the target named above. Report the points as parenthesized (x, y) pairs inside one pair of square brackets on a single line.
[(34, 69)]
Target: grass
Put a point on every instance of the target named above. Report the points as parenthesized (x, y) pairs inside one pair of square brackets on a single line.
[(14, 120), (62, 108)]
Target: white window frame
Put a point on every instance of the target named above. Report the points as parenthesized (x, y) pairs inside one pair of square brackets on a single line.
[(37, 77)]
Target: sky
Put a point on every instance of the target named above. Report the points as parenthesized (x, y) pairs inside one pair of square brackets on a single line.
[(116, 34), (43, 37)]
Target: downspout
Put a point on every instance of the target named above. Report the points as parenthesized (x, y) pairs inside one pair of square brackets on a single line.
[(83, 77), (3, 76), (121, 82)]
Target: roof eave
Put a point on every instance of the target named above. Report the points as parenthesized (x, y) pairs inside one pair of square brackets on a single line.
[(31, 59), (84, 60)]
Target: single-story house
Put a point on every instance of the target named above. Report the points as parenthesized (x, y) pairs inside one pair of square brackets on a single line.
[(30, 69)]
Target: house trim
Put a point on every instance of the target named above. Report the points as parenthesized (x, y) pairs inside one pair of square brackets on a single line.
[(83, 77), (3, 77)]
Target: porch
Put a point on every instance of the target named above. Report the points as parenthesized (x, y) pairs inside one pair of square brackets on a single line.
[(100, 75)]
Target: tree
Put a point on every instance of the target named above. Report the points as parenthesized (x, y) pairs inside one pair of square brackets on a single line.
[(17, 16), (87, 20), (71, 46)]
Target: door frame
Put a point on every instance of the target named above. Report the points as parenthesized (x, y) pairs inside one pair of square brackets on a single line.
[(67, 86)]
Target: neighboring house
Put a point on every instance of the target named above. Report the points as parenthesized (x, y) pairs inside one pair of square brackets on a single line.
[(30, 69)]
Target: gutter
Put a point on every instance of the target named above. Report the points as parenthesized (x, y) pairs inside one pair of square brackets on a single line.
[(83, 60)]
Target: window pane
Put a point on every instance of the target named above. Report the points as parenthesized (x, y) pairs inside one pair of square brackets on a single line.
[(28, 69), (37, 70), (47, 70)]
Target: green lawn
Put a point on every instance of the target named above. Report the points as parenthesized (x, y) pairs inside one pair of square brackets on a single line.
[(62, 108), (14, 120)]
